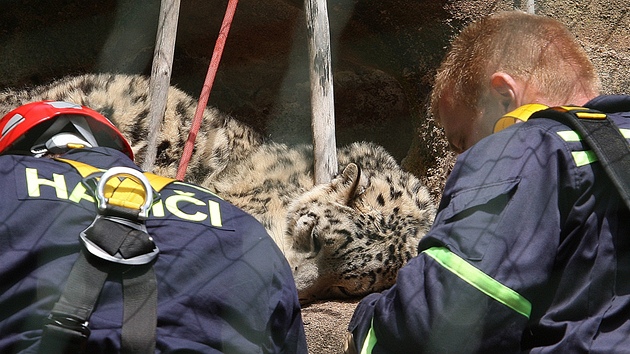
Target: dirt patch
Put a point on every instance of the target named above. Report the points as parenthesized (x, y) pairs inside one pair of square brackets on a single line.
[(326, 325)]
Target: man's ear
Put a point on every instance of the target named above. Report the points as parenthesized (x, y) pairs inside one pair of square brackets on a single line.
[(504, 89)]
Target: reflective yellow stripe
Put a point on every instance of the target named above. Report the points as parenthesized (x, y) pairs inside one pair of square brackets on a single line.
[(370, 341), (472, 276), (480, 280), (583, 158), (570, 136), (586, 157)]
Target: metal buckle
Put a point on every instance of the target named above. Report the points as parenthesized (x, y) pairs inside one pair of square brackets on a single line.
[(125, 172), (98, 189), (69, 322)]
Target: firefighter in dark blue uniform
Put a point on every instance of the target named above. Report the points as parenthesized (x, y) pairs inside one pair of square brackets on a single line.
[(222, 284), (530, 249)]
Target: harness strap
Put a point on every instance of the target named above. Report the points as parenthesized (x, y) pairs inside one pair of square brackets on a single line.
[(116, 244), (140, 310), (157, 182), (603, 137), (66, 329)]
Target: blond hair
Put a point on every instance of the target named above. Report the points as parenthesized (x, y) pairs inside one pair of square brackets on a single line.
[(535, 49)]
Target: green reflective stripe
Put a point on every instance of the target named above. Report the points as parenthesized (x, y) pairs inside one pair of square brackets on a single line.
[(472, 276), (582, 158), (480, 280), (370, 340), (569, 136)]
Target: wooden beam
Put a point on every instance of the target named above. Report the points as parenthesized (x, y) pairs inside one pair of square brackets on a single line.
[(161, 75), (322, 94), (531, 6)]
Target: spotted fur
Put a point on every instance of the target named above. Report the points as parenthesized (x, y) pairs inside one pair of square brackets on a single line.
[(345, 238)]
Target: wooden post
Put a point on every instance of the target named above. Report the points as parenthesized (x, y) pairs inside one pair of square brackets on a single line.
[(531, 6), (322, 94), (161, 75)]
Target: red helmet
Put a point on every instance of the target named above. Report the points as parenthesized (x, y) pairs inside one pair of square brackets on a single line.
[(33, 124)]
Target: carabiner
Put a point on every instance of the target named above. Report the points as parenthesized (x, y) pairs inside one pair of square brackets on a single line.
[(129, 173)]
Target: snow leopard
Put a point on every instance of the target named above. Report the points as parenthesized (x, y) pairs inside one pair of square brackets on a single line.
[(343, 239)]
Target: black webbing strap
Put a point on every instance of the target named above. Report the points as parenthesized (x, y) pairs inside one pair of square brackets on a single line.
[(603, 137), (138, 281), (140, 310), (67, 328), (115, 245)]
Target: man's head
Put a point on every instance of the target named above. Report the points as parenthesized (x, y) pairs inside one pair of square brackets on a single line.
[(502, 62), (51, 127)]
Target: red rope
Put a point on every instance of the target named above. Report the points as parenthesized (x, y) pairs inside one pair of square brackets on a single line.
[(207, 87)]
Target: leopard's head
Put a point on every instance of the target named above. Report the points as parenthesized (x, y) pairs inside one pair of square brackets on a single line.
[(349, 237)]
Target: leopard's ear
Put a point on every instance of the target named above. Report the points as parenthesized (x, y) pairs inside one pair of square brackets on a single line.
[(350, 183)]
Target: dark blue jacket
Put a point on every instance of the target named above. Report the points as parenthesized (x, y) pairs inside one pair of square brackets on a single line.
[(530, 252), (223, 285)]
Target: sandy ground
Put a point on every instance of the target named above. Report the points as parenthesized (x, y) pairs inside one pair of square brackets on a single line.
[(325, 324)]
